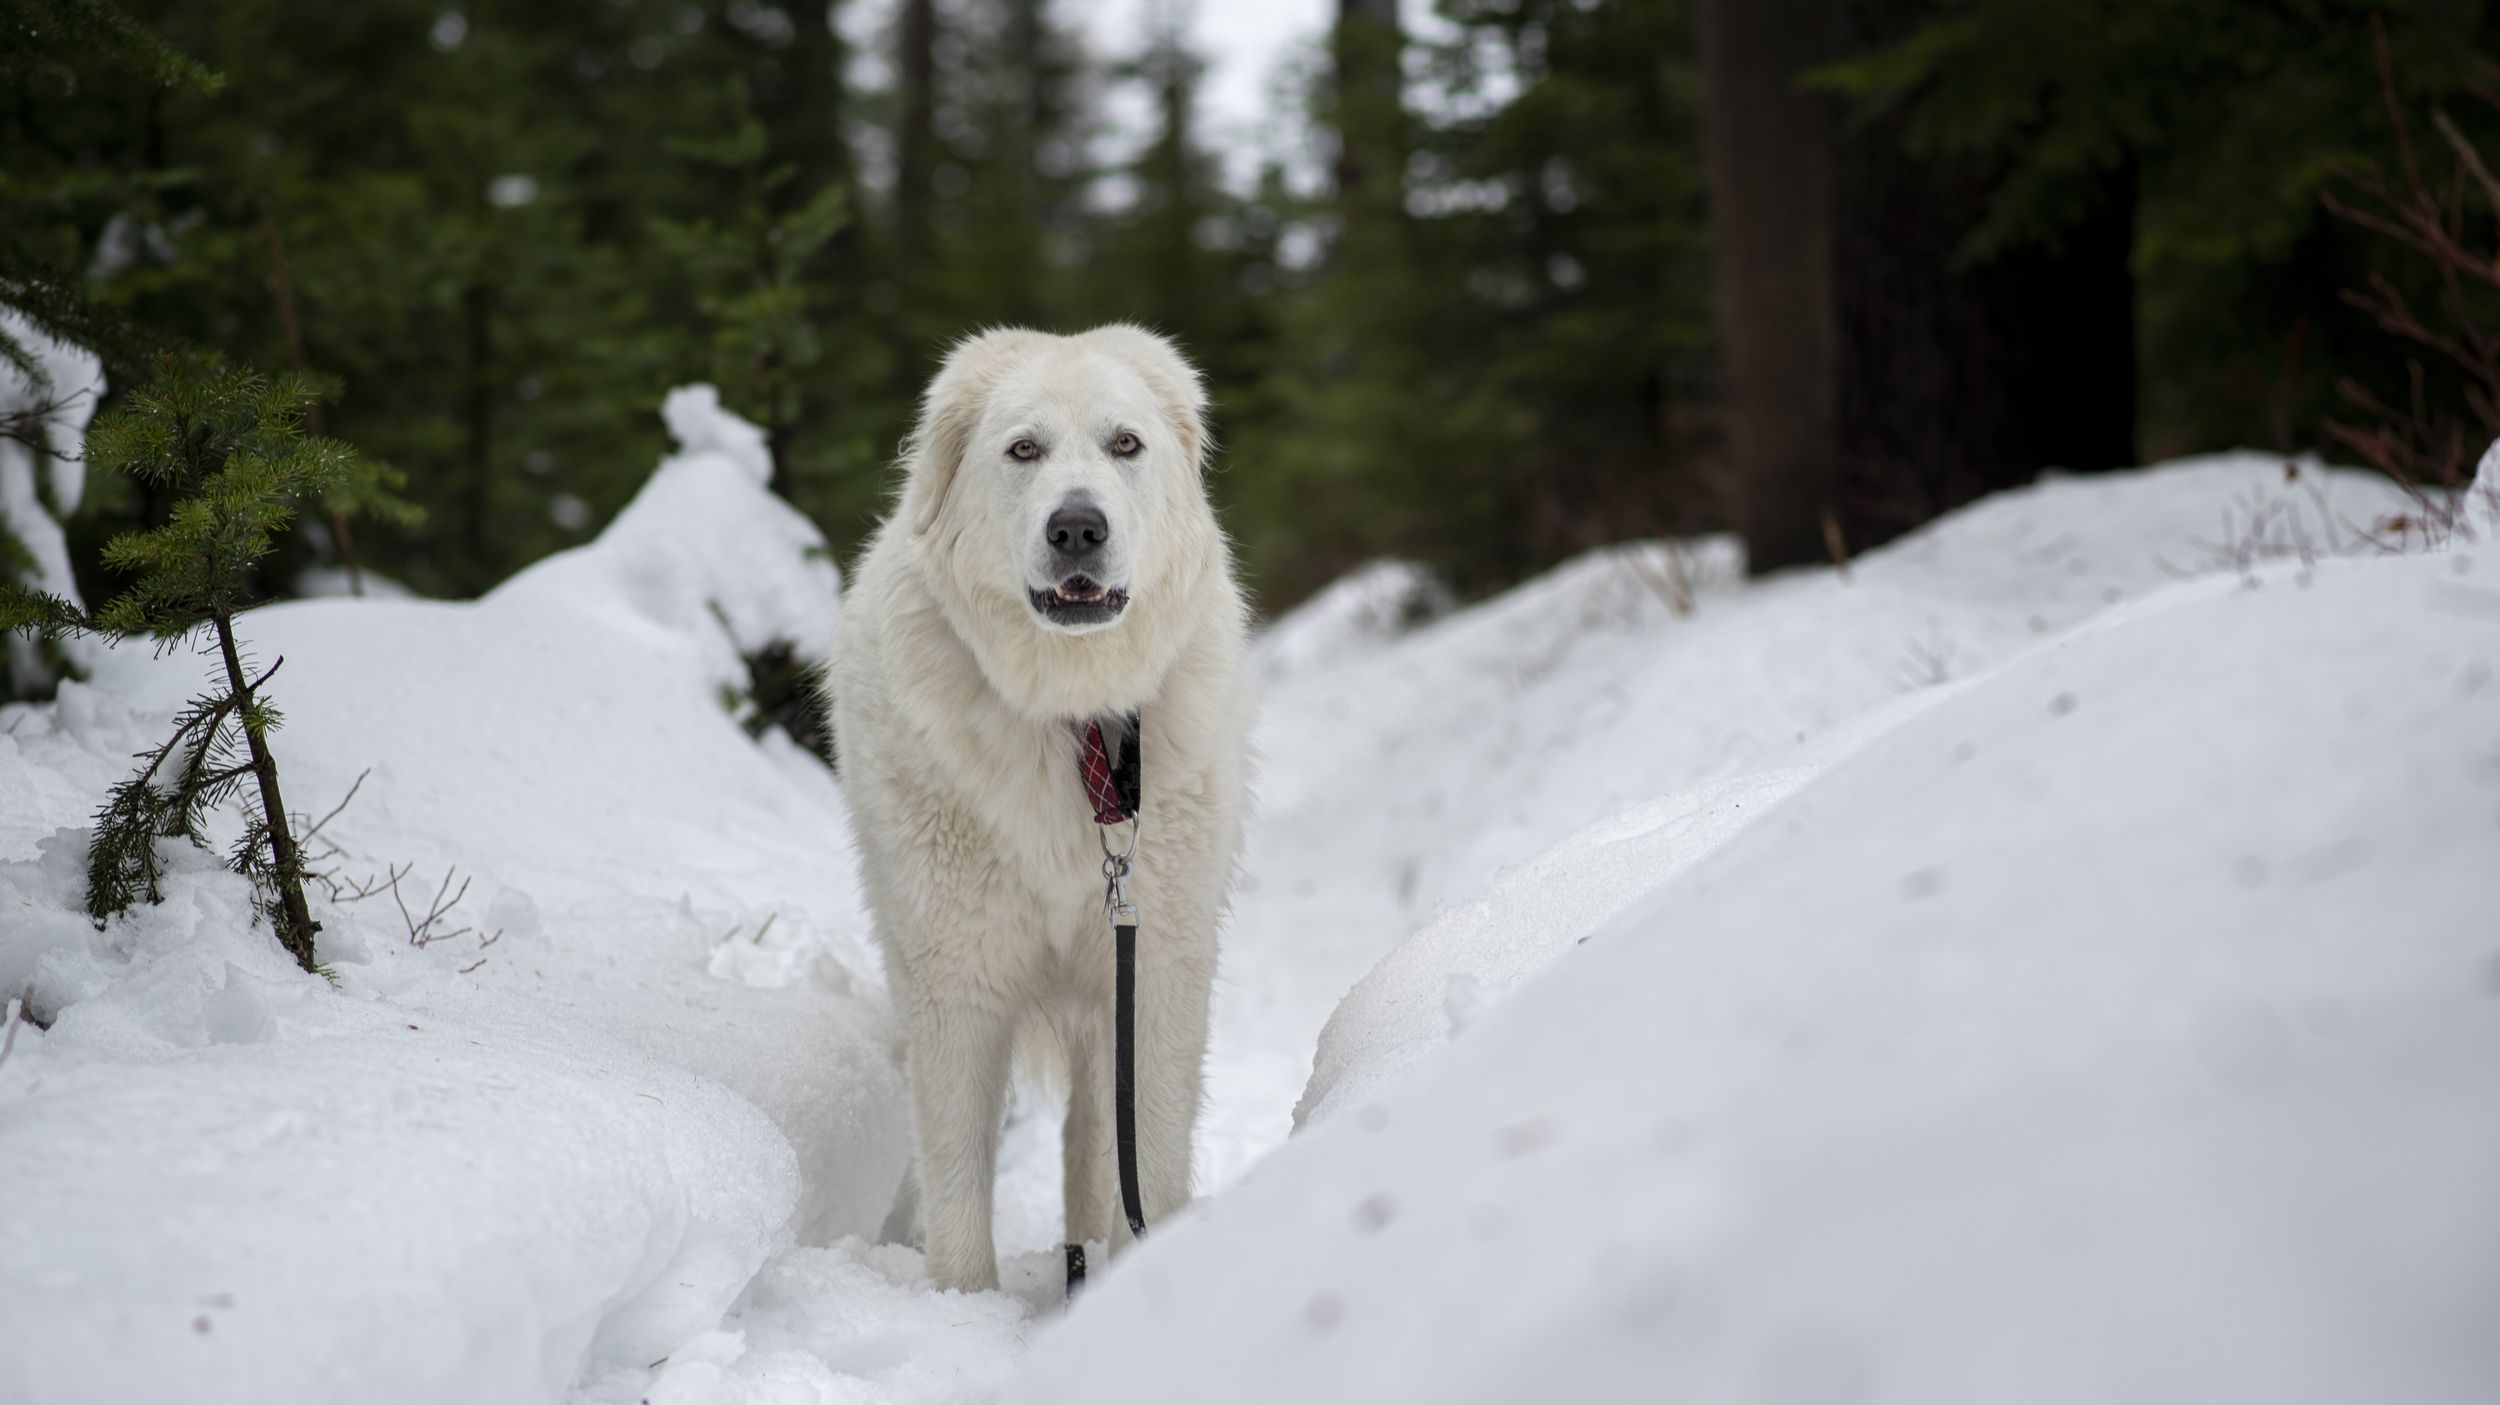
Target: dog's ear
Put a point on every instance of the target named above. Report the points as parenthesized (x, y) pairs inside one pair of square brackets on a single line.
[(1176, 383), (948, 414)]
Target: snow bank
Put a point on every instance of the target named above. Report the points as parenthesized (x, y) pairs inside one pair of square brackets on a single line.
[(1884, 1026), (1444, 977), (703, 548), (2119, 1025), (1416, 769), (477, 1169), (1349, 618)]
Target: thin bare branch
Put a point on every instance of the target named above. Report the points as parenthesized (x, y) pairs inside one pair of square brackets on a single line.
[(315, 831)]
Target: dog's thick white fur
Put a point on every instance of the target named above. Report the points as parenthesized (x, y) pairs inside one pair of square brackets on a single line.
[(954, 691)]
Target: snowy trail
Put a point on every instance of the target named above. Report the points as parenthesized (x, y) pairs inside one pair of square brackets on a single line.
[(650, 1143)]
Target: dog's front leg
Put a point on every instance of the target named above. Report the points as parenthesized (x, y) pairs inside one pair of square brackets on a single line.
[(959, 1053)]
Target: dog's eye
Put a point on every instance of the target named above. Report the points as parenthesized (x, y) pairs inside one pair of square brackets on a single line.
[(1127, 444), (1024, 449)]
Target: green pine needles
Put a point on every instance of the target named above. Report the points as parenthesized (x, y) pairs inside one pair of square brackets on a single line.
[(748, 273), (230, 448)]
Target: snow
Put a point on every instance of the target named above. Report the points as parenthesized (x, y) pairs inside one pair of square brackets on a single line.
[(453, 1180), (2116, 1025), (2051, 961), (1398, 780), (323, 582), (74, 379), (1439, 981), (1350, 617)]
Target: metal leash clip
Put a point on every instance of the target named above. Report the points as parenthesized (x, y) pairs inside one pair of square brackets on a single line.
[(1115, 875)]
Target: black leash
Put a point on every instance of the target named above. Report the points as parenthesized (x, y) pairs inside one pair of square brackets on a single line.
[(1115, 785), (1124, 1076)]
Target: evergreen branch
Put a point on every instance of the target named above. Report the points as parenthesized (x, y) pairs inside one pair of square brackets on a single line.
[(41, 614), (94, 27)]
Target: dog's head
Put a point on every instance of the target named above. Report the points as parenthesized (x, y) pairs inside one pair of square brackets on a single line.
[(1062, 475)]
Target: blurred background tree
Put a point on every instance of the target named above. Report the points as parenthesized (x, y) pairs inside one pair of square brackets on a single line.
[(1499, 280)]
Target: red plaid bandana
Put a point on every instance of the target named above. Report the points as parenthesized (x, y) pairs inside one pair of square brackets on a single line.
[(1102, 780)]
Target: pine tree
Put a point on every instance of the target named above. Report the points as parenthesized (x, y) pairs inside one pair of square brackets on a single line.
[(748, 269), (230, 448), (1590, 274), (2212, 127), (43, 43), (47, 319)]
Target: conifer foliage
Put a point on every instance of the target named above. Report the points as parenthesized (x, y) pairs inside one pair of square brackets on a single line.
[(747, 269), (229, 449)]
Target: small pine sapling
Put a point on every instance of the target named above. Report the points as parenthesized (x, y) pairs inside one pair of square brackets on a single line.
[(230, 448)]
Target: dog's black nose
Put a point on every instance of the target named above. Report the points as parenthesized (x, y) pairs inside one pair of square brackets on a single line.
[(1077, 530)]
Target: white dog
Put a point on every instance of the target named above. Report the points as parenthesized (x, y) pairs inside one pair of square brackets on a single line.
[(1053, 560)]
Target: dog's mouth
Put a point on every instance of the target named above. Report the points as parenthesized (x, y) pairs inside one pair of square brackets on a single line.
[(1078, 602)]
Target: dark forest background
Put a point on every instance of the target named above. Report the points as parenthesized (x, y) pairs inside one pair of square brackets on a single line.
[(1556, 272)]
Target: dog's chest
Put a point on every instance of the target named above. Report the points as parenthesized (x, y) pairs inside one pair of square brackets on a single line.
[(1023, 783)]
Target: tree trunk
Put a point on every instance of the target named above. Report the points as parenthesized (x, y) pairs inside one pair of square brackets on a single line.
[(778, 434), (296, 929), (1370, 113), (915, 138), (1768, 149), (804, 115), (282, 289), (477, 305)]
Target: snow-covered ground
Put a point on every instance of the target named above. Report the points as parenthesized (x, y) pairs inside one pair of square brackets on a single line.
[(2059, 959)]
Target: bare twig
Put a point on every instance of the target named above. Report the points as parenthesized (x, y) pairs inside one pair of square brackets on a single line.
[(2425, 450), (1835, 544), (1673, 585), (314, 832), (422, 933), (357, 890), (2469, 158), (32, 425), (1930, 660), (17, 1016), (252, 689)]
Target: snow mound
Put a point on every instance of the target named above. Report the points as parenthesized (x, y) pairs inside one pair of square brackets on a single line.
[(325, 582), (561, 1142), (1410, 773), (253, 1189), (703, 550), (1352, 616), (1447, 975), (2120, 1025)]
